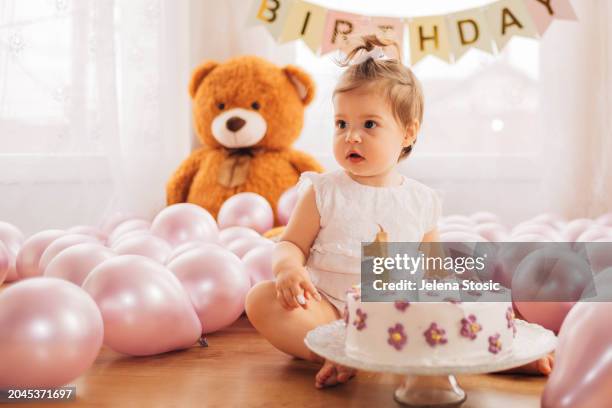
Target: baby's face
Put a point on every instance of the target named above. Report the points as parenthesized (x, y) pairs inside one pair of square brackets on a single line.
[(368, 139)]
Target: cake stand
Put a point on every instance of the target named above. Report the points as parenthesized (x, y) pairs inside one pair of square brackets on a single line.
[(434, 386)]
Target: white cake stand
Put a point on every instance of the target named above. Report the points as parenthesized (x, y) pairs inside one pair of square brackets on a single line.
[(435, 386)]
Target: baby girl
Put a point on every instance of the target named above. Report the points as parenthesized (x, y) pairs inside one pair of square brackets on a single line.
[(378, 105)]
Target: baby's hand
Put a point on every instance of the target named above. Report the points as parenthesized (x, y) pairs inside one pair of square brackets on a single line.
[(293, 288)]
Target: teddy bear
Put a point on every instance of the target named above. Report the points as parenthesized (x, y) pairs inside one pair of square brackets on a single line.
[(247, 113)]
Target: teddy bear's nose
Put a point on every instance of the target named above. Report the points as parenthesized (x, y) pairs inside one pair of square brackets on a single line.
[(234, 123)]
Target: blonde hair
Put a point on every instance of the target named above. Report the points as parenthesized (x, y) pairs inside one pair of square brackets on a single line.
[(402, 88)]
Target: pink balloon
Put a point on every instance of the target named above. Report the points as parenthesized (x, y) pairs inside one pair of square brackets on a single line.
[(126, 227), (185, 222), (258, 263), (547, 314), (484, 217), (444, 228), (574, 228), (217, 284), (582, 377), (600, 289), (59, 245), (150, 246), (188, 246), (145, 309), (89, 230), (31, 251), (128, 235), (458, 219), (545, 231), (5, 261), (286, 204), (110, 223), (227, 235), (598, 255), (460, 236), (51, 333), (560, 226), (594, 233), (605, 219), (529, 238), (510, 256), (246, 210), (243, 245), (547, 283), (12, 238), (546, 218), (76, 262), (492, 231)]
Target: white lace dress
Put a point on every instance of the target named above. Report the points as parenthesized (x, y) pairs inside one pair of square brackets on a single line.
[(350, 214)]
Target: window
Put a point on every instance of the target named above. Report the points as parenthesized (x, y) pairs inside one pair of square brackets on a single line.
[(93, 116)]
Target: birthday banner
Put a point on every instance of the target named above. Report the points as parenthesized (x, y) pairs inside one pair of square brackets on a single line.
[(446, 36)]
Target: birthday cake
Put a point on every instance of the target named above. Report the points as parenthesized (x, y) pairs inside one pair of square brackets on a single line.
[(427, 333)]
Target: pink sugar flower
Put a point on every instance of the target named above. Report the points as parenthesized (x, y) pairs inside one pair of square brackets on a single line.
[(495, 344), (435, 335), (510, 316), (397, 337), (345, 314), (360, 321), (469, 327)]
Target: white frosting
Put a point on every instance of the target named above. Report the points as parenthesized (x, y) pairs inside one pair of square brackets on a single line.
[(369, 341)]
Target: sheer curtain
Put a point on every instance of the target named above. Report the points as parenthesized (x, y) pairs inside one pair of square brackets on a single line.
[(577, 87), (93, 109)]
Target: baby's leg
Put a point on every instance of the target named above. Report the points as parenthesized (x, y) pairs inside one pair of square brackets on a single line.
[(286, 329), (543, 366)]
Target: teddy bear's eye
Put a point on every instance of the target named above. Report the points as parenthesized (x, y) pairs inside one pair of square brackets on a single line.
[(255, 105), (221, 106)]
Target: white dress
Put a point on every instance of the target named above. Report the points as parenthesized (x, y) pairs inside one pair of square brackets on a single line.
[(350, 214)]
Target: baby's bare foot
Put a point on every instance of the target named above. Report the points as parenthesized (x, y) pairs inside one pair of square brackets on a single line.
[(333, 374), (543, 366)]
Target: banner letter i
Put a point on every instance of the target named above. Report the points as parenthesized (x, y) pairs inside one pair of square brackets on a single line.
[(305, 23)]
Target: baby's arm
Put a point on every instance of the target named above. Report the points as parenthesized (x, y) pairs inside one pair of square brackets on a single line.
[(291, 253), (431, 236), (431, 247)]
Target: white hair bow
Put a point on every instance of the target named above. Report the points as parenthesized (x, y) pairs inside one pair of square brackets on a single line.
[(375, 53)]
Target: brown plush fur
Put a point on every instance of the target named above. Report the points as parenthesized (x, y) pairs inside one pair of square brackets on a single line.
[(282, 93)]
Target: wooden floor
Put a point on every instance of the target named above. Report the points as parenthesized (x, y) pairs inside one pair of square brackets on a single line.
[(239, 368)]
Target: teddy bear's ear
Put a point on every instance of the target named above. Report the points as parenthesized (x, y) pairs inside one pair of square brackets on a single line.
[(199, 74), (302, 82)]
